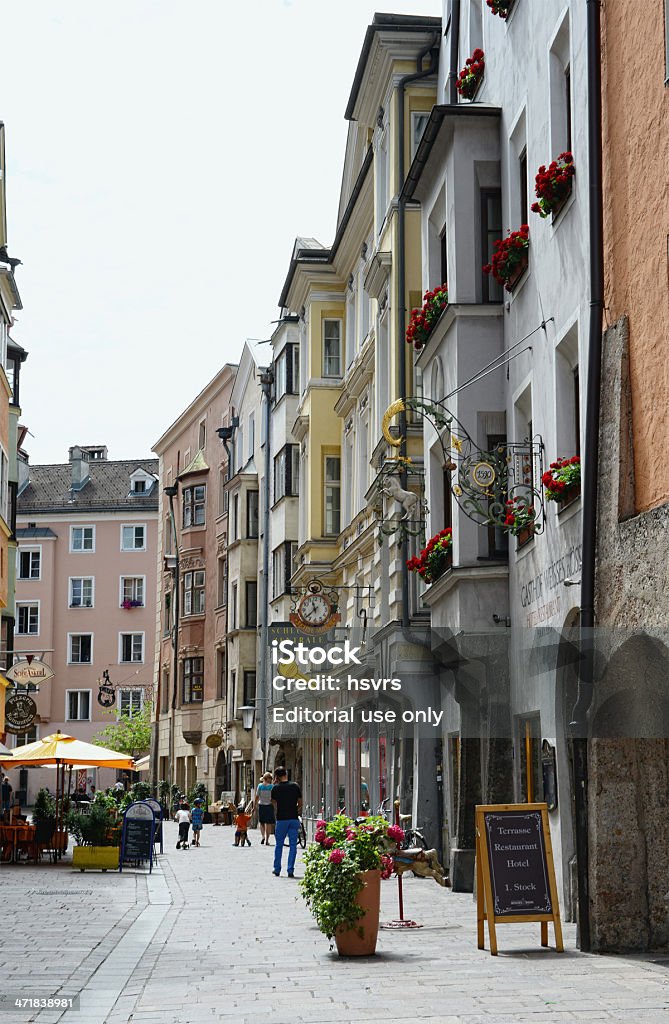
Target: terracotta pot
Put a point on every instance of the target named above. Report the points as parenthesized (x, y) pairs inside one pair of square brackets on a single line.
[(349, 941), (524, 535), (518, 272), (571, 494), (558, 206)]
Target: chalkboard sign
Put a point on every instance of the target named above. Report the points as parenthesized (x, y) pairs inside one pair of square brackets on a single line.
[(514, 869), (158, 812), (137, 837)]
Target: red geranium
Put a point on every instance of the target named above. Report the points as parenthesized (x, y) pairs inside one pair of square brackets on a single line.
[(471, 74), (433, 559), (500, 7), (508, 253), (553, 184), (564, 475), (423, 320), (519, 516)]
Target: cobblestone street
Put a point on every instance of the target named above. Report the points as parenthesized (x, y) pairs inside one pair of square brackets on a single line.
[(213, 935)]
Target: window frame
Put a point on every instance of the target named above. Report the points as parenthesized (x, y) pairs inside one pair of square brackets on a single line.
[(196, 672), (134, 527), (135, 577), (82, 550), (73, 690), (22, 605), (194, 593), (248, 604), (249, 535), (30, 552), (192, 505), (70, 581), (133, 635), (325, 372), (333, 485), (132, 690), (70, 638)]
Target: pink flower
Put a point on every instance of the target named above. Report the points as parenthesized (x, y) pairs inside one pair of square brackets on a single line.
[(350, 833), (337, 856), (319, 835), (396, 833), (321, 823), (328, 842)]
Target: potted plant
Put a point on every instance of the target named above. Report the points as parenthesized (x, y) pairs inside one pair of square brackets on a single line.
[(434, 559), (520, 519), (98, 837), (563, 480), (131, 603), (553, 185), (471, 76), (342, 879), (502, 8), (423, 320), (510, 257)]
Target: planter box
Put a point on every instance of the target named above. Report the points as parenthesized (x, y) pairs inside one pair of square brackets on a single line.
[(569, 496), (98, 858), (518, 272), (525, 535), (559, 207)]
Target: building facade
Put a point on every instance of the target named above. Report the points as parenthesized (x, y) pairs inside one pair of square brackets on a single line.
[(85, 592), (191, 643)]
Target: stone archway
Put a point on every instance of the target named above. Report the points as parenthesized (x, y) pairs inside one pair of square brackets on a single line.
[(629, 799)]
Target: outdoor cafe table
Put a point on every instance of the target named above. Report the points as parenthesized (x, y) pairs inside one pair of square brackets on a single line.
[(14, 838)]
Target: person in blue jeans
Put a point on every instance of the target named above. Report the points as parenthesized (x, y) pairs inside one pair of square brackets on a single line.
[(287, 801)]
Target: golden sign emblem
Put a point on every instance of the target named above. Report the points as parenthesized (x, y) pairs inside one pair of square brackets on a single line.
[(483, 475), (393, 410)]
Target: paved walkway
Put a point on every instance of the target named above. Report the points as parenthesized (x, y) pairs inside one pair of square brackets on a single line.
[(212, 935)]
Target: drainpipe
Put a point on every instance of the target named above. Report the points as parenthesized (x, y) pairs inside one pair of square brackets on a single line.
[(453, 55), (401, 284), (266, 381), (579, 725)]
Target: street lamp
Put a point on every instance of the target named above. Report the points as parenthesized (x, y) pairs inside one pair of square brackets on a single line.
[(171, 493), (248, 714)]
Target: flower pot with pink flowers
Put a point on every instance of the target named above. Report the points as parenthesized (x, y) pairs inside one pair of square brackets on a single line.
[(562, 480), (423, 320), (341, 886), (471, 76), (553, 185), (510, 258)]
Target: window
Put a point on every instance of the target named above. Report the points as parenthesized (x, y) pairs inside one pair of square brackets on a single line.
[(234, 525), (132, 590), (522, 185), (249, 688), (193, 592), (491, 230), (567, 395), (78, 706), (251, 604), (332, 476), (332, 348), (220, 674), (233, 695), (80, 648), (193, 505), (202, 435), (27, 619), (22, 739), (82, 538), (193, 680), (130, 702), (131, 647), (286, 472), (233, 609), (222, 595), (165, 698), (4, 485), (567, 103), (252, 513), (133, 538), (284, 564), (81, 592), (251, 441), (419, 119), (277, 572), (30, 564), (560, 89), (382, 175)]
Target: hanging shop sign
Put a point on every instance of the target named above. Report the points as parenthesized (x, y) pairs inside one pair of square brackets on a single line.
[(29, 672), (515, 875), (549, 772), (20, 713)]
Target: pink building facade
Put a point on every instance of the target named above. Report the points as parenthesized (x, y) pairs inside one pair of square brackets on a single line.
[(86, 594)]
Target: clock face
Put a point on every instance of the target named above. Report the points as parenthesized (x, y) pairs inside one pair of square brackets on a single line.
[(315, 609)]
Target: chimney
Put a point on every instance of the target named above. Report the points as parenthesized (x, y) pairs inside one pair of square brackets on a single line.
[(80, 468)]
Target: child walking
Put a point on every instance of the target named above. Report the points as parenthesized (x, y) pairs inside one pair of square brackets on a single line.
[(197, 817), (182, 818), (242, 823)]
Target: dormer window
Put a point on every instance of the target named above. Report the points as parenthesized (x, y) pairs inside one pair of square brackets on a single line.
[(141, 483), (139, 487)]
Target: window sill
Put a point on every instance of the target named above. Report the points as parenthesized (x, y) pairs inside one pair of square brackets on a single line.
[(193, 617)]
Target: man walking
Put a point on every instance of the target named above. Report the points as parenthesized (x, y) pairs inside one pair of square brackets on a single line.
[(287, 800)]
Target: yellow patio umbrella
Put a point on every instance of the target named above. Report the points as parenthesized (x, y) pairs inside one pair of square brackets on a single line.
[(60, 750)]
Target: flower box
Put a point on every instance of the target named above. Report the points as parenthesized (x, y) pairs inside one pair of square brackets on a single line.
[(510, 258), (102, 858), (518, 272), (553, 185), (520, 519), (434, 559), (471, 76), (127, 604), (525, 535), (562, 480), (423, 320)]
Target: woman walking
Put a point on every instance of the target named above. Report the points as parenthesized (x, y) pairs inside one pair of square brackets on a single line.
[(263, 801)]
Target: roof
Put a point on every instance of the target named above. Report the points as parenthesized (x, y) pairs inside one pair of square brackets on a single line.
[(28, 532), (107, 488), (196, 465)]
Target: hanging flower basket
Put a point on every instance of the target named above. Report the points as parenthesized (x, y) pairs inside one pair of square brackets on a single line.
[(553, 185), (502, 8), (471, 75), (510, 258), (563, 480), (520, 519), (434, 559), (423, 320)]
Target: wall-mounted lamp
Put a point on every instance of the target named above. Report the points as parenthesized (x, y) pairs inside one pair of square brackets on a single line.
[(501, 620), (248, 714)]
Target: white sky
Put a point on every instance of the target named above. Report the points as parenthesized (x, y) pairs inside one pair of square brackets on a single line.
[(161, 158)]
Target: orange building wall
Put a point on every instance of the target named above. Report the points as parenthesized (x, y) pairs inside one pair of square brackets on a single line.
[(636, 223)]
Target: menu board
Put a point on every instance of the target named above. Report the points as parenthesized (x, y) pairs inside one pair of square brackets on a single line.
[(515, 877), (137, 836)]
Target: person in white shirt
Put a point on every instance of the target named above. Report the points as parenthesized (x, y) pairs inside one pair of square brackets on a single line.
[(182, 818)]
